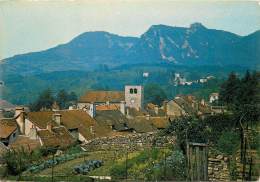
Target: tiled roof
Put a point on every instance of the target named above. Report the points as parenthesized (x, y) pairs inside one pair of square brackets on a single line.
[(160, 122), (103, 96), (7, 127), (41, 118), (25, 142), (141, 125), (112, 118), (71, 119), (185, 105), (107, 107), (58, 137), (150, 106)]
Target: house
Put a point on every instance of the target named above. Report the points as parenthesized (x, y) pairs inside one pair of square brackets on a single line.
[(78, 123), (8, 131), (131, 97), (213, 97), (186, 105), (43, 126), (113, 119)]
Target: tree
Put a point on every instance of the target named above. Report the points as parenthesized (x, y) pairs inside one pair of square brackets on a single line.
[(45, 100), (188, 129), (154, 93), (62, 98), (229, 89)]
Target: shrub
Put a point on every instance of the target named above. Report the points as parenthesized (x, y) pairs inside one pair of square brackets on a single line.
[(87, 166), (228, 142)]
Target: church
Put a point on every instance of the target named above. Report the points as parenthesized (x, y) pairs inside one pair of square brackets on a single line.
[(131, 97)]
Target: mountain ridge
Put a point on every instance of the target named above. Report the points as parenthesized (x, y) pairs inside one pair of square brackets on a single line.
[(194, 45)]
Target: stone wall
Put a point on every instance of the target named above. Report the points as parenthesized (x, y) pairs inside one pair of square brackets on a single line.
[(130, 142), (218, 169)]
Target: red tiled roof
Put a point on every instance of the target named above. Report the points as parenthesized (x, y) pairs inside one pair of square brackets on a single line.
[(7, 127), (59, 136), (103, 96), (71, 119), (107, 107), (25, 142)]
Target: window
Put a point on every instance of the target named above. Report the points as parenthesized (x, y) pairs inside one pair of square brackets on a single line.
[(14, 134), (131, 91), (135, 91)]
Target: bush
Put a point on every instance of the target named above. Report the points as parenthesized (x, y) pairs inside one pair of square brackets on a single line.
[(87, 166), (173, 167), (51, 162), (17, 161), (228, 142)]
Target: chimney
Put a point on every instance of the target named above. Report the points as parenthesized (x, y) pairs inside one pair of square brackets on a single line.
[(165, 106), (20, 119), (147, 117), (57, 118), (156, 109), (92, 110), (202, 102), (122, 107)]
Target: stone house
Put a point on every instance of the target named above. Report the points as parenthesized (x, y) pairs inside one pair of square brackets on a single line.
[(213, 97), (186, 105)]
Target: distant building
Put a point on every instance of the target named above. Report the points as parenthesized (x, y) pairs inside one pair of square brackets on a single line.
[(203, 80), (213, 97), (145, 74)]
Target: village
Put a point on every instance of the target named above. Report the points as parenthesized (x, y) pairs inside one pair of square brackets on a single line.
[(98, 114), (101, 120), (129, 91)]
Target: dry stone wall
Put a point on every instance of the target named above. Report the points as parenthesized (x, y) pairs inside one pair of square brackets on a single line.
[(218, 169), (130, 142)]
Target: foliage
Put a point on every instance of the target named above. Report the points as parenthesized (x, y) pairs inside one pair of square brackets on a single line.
[(188, 128), (65, 99), (152, 165), (87, 166), (8, 114), (172, 167), (19, 160), (154, 93), (137, 165), (242, 96), (82, 81), (47, 98), (74, 149), (52, 162), (228, 142)]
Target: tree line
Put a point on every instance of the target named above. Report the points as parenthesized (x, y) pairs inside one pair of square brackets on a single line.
[(47, 98)]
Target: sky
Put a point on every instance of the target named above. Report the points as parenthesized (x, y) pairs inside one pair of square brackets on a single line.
[(34, 25)]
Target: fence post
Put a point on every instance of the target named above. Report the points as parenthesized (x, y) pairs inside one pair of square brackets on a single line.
[(52, 167), (126, 174), (164, 165)]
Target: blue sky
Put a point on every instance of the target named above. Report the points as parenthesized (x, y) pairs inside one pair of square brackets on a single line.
[(34, 25)]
